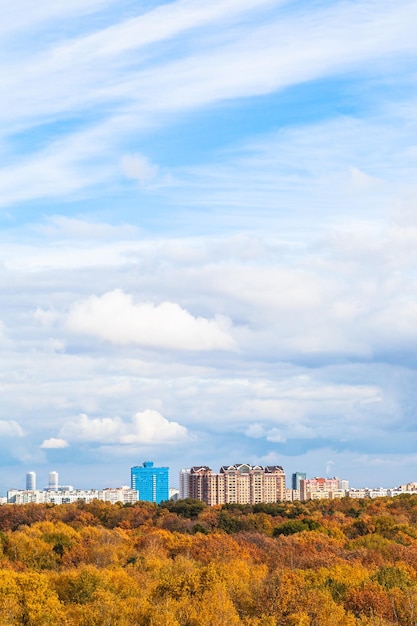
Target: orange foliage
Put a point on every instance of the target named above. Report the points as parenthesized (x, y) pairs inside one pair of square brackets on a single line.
[(347, 563)]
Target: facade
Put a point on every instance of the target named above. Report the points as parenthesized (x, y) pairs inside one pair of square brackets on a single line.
[(339, 493), (240, 483), (357, 494), (174, 494), (31, 481), (203, 484), (292, 495), (184, 480), (318, 495), (125, 495), (296, 478), (53, 482), (313, 488), (152, 483)]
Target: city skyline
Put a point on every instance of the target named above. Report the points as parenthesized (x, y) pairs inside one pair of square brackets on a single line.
[(181, 481), (240, 483), (208, 237)]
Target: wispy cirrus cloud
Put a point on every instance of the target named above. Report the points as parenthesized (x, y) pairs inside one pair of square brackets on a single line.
[(212, 74), (107, 71), (29, 15)]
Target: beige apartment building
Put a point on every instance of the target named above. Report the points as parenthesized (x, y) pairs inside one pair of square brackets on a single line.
[(240, 483)]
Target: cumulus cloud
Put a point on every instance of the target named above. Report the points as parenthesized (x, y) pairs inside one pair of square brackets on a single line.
[(116, 318), (138, 167), (54, 442), (10, 428), (152, 427), (145, 427), (98, 429)]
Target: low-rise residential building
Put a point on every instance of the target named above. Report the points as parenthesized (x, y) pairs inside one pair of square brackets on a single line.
[(408, 488), (338, 493), (357, 493), (125, 495), (292, 495), (377, 492), (174, 494), (317, 495), (317, 486), (323, 488)]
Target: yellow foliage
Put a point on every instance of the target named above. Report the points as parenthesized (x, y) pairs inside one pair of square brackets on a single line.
[(338, 579), (100, 547), (264, 620), (298, 619), (245, 582), (25, 546), (216, 608), (10, 607), (360, 571), (39, 603)]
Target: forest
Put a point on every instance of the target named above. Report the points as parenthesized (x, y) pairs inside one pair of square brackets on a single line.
[(323, 563)]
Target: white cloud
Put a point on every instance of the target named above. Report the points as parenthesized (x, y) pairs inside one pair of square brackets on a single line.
[(104, 68), (255, 431), (256, 61), (307, 264), (275, 435), (70, 228), (145, 428), (115, 317), (161, 23), (363, 181), (138, 167), (98, 429), (69, 255), (10, 428), (54, 443), (291, 426), (45, 317), (27, 14), (152, 427)]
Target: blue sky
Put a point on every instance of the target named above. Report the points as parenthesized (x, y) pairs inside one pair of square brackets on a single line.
[(208, 238)]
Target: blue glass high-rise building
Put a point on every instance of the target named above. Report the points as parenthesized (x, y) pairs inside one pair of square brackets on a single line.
[(296, 478), (152, 483)]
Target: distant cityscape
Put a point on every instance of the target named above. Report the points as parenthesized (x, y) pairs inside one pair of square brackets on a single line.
[(240, 484)]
